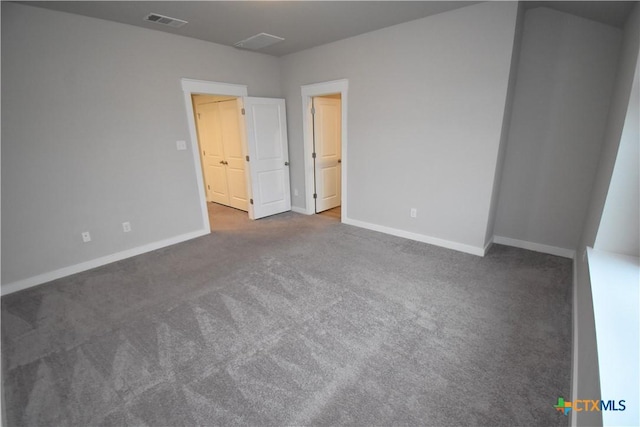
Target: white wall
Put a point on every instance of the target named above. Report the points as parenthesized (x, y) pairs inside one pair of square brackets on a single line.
[(565, 77), (506, 123), (586, 361), (426, 107), (91, 113), (619, 227)]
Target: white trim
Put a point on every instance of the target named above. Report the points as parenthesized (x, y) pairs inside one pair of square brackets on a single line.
[(213, 88), (615, 295), (538, 247), (97, 262), (309, 91), (300, 210), (461, 247), (488, 246), (573, 421), (190, 87)]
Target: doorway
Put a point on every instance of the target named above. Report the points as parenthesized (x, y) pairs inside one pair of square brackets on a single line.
[(263, 131), (218, 125), (327, 152), (325, 148)]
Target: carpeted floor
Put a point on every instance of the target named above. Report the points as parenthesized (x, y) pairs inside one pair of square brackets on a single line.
[(294, 320)]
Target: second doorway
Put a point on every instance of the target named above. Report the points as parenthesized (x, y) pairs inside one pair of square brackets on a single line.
[(327, 151)]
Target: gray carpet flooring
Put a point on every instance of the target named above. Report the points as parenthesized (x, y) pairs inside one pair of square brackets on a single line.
[(294, 320)]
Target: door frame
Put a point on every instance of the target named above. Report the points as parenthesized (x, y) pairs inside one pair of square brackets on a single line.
[(308, 92), (202, 87)]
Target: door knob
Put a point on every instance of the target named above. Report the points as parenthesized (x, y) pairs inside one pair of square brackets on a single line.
[(286, 163), (222, 162), (339, 160)]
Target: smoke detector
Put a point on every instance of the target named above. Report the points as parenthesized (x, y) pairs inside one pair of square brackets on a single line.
[(258, 41), (165, 20)]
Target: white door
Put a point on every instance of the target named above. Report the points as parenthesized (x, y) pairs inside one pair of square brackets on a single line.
[(266, 134), (233, 153), (327, 131), (210, 139)]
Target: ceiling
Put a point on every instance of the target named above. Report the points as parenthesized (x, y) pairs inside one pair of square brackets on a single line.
[(303, 24), (614, 13)]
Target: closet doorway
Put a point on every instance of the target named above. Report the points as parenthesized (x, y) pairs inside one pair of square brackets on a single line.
[(218, 127), (327, 148), (262, 128), (324, 124)]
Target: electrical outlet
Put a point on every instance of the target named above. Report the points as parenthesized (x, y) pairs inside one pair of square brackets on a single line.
[(126, 227), (86, 237), (414, 212), (181, 145)]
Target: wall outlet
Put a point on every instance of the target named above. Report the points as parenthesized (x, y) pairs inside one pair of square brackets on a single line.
[(295, 191), (86, 237), (181, 145), (126, 227), (414, 212)]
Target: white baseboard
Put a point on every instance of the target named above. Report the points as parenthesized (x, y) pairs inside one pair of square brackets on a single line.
[(538, 247), (488, 245), (461, 247), (574, 344), (300, 210), (88, 265)]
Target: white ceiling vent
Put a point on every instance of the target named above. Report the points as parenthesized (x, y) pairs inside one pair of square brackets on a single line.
[(165, 20), (258, 41)]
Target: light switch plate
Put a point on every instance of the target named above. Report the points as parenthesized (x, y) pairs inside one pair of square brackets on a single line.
[(181, 145)]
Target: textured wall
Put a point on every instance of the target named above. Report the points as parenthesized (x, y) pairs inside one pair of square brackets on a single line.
[(91, 113), (565, 77), (426, 106)]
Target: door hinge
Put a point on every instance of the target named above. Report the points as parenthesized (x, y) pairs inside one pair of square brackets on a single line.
[(204, 153), (198, 116), (243, 112), (315, 196), (313, 111), (246, 157), (313, 155), (208, 187), (251, 201)]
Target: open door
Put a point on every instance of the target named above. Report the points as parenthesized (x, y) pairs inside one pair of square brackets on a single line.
[(268, 159), (327, 132)]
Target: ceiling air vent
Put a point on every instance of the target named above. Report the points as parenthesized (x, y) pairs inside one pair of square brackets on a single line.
[(165, 20), (258, 41)]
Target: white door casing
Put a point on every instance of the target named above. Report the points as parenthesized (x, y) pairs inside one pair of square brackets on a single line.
[(266, 136), (308, 92), (193, 87), (327, 131)]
